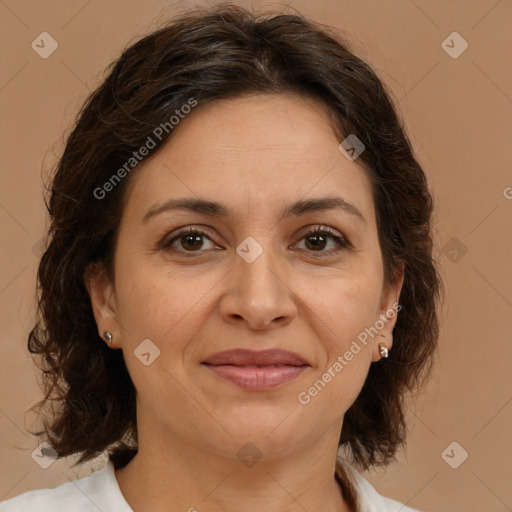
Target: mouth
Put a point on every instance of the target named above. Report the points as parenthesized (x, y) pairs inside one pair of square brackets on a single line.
[(253, 370)]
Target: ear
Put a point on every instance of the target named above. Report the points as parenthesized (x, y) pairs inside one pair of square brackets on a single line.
[(388, 312), (101, 293)]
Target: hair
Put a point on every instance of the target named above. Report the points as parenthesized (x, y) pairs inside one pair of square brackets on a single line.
[(207, 55)]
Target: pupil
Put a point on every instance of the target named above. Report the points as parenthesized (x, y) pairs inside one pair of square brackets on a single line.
[(195, 239), (316, 237)]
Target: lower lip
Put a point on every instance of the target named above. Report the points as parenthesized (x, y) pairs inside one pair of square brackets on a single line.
[(265, 377)]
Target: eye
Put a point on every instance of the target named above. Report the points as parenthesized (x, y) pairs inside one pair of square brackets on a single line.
[(317, 238), (191, 240)]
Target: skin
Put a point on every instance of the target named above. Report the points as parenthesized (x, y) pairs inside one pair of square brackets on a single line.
[(255, 155)]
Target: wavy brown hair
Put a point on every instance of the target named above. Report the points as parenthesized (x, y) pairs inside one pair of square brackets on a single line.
[(213, 54)]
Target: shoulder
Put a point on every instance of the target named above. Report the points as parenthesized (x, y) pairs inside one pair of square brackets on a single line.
[(82, 495), (367, 497)]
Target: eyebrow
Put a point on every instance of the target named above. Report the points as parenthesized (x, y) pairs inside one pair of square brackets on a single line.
[(215, 209)]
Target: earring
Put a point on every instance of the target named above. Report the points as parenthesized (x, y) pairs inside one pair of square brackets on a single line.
[(108, 336), (383, 350)]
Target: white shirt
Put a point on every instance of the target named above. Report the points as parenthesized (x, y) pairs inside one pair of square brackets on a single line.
[(100, 492)]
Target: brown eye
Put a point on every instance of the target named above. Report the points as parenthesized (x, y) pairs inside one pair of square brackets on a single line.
[(317, 239), (190, 240)]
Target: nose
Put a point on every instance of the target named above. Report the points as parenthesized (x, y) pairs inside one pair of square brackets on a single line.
[(259, 294)]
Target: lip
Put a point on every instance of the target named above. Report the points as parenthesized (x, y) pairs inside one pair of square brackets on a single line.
[(257, 370), (261, 378), (243, 357)]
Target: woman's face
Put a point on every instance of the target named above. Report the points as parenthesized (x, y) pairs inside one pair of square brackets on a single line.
[(253, 277)]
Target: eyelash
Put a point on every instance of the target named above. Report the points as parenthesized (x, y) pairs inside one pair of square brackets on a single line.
[(341, 241)]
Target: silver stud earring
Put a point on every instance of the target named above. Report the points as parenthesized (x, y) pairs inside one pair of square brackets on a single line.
[(108, 336), (383, 350)]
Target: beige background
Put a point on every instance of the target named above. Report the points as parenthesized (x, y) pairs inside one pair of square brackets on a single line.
[(458, 114)]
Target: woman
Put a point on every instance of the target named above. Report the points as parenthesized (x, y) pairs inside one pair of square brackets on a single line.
[(238, 288)]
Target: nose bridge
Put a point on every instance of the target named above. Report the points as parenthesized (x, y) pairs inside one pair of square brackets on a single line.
[(258, 290), (258, 267)]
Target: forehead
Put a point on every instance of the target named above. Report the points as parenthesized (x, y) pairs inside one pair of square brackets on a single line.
[(257, 149)]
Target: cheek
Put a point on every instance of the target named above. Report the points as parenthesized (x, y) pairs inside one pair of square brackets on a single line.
[(359, 304), (169, 311), (343, 315), (346, 305), (156, 303)]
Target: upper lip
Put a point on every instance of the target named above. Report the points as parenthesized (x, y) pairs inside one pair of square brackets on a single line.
[(242, 357)]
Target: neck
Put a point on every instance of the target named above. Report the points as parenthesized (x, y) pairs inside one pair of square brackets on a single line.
[(190, 478)]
